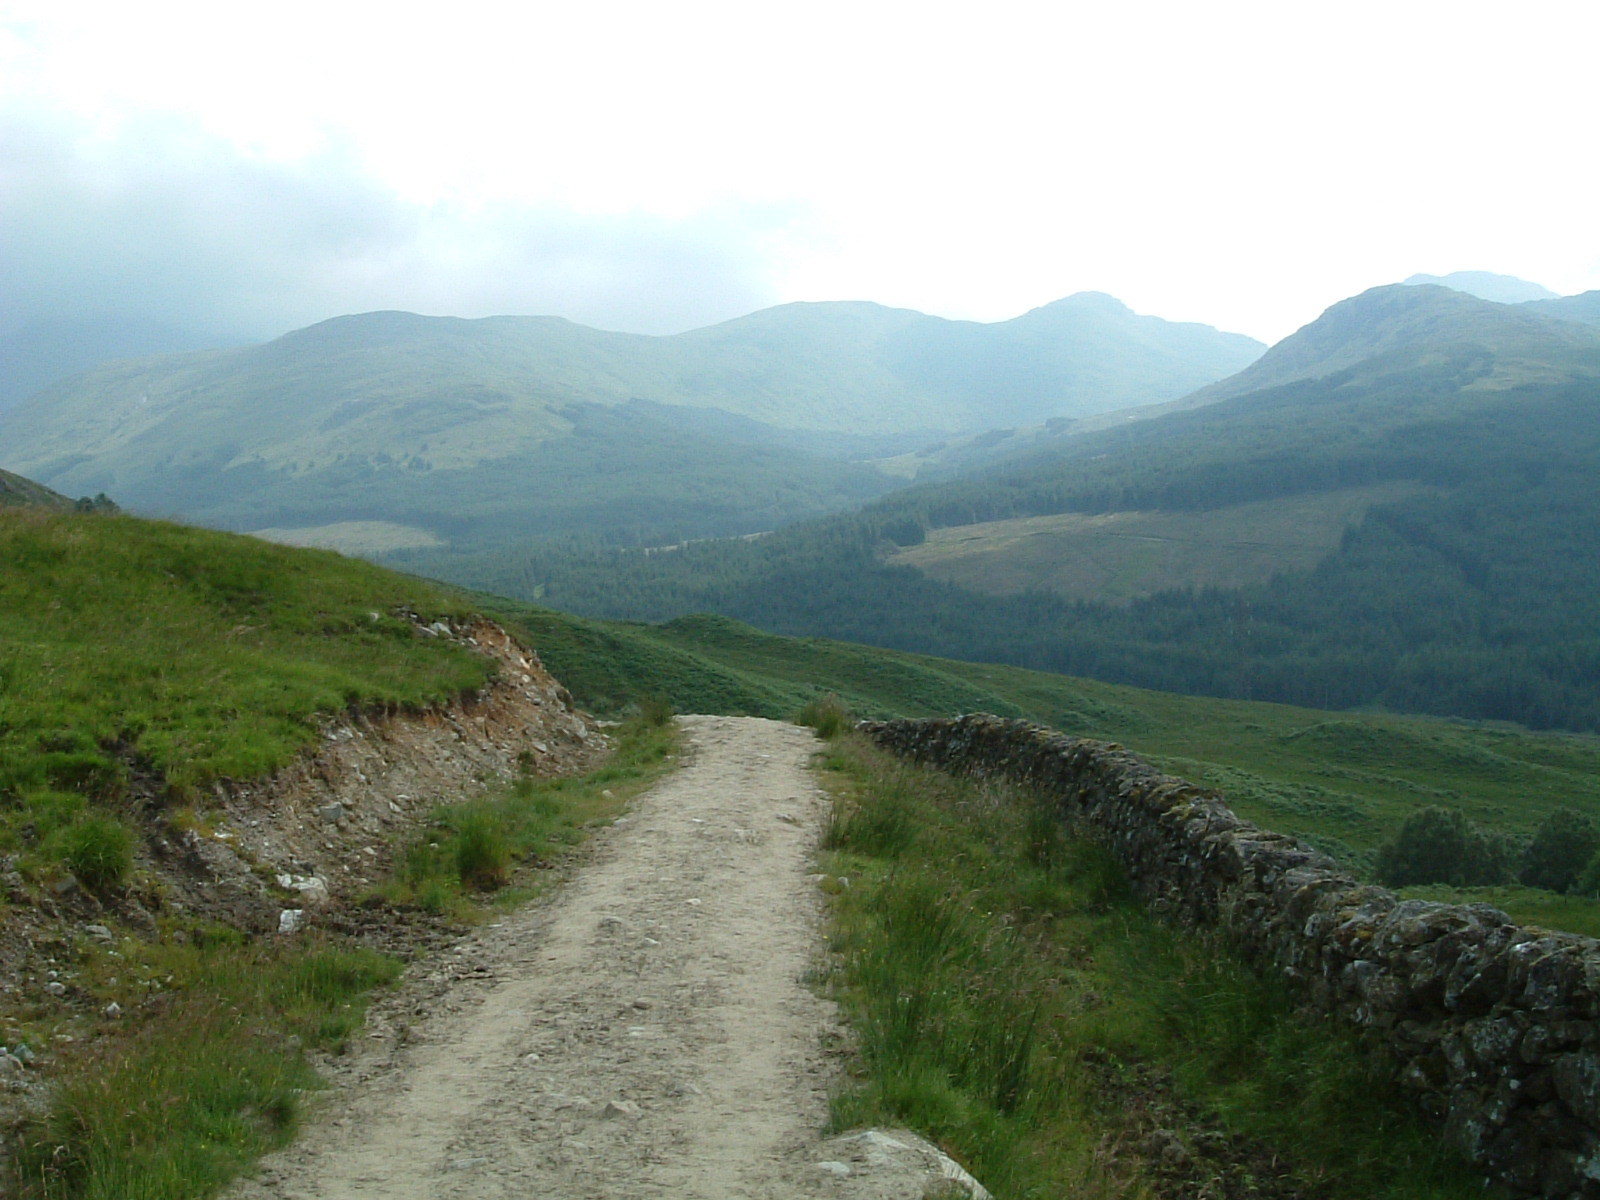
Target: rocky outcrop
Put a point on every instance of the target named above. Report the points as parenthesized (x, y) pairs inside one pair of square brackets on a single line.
[(1492, 1025)]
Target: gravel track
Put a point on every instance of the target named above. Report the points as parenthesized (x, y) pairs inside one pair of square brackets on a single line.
[(646, 1032)]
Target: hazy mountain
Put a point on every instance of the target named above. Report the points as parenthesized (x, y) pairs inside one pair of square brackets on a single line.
[(1583, 307), (1401, 512), (893, 370), (473, 429), (1401, 325), (1486, 285), (45, 352)]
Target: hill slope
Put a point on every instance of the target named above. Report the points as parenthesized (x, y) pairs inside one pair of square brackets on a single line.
[(1400, 327), (1465, 582), (463, 429), (1583, 307), (18, 492)]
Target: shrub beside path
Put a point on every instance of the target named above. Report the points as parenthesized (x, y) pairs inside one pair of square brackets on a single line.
[(645, 1032)]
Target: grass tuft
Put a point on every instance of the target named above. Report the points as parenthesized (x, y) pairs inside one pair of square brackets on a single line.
[(826, 714), (194, 1089), (483, 851), (656, 711), (98, 850)]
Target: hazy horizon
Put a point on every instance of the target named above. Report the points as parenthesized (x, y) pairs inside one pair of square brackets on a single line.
[(1244, 166)]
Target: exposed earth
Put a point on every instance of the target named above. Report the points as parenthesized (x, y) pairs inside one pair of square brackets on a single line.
[(647, 1031)]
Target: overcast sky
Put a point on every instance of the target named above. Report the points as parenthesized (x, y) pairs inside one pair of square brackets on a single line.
[(252, 168)]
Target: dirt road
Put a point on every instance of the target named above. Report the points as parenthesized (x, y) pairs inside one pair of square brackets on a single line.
[(646, 1033)]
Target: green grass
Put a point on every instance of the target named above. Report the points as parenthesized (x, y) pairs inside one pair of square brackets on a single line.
[(1012, 1002), (204, 1078), (208, 1067), (1343, 781), (136, 654), (469, 853)]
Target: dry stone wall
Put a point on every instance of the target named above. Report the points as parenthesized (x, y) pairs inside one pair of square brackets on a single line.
[(1492, 1025)]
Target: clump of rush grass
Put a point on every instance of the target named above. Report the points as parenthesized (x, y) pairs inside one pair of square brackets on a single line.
[(483, 849), (98, 850), (1012, 1001), (656, 711), (827, 714)]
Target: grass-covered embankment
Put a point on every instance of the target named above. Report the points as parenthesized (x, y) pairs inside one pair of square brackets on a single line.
[(1014, 1003), (138, 650), (191, 1087)]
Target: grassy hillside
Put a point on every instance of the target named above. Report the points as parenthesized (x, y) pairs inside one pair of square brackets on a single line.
[(139, 661), (132, 650), (17, 492), (1374, 333), (1343, 781), (479, 431), (1467, 587)]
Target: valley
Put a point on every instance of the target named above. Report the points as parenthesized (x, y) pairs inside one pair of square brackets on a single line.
[(1466, 588)]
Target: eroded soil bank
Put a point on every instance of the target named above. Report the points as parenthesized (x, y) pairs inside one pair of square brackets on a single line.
[(301, 841)]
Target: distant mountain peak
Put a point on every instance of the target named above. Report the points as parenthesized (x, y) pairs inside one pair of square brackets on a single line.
[(1102, 300), (1411, 320), (1486, 285)]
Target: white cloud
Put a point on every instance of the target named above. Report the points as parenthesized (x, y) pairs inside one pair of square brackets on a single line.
[(651, 166)]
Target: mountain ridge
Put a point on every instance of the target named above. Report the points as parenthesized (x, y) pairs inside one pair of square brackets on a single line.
[(1488, 285), (393, 416)]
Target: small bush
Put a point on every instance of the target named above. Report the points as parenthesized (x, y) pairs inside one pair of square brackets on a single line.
[(828, 715), (1556, 857), (656, 711), (98, 851), (1588, 881), (1441, 845)]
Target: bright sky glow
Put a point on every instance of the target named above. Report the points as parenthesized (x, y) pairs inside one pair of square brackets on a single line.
[(655, 166)]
